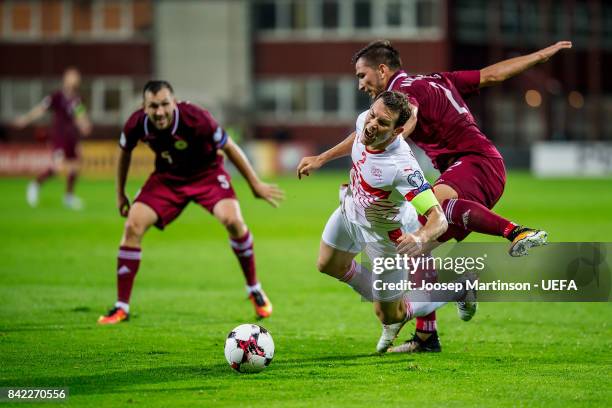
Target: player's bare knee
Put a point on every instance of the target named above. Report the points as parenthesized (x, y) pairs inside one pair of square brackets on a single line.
[(333, 269), (322, 265), (134, 229)]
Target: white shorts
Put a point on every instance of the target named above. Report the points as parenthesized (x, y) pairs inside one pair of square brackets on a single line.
[(343, 235)]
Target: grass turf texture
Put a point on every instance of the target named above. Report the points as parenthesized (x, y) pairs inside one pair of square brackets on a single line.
[(57, 276)]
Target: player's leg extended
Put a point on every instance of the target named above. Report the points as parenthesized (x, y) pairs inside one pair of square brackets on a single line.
[(140, 218), (336, 256), (33, 190), (227, 211), (72, 166), (467, 204)]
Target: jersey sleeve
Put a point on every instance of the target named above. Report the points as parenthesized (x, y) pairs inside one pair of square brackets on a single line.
[(131, 132), (411, 183), (466, 82), (210, 129)]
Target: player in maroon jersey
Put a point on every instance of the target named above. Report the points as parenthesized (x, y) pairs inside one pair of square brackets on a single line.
[(188, 167), (70, 121), (472, 171)]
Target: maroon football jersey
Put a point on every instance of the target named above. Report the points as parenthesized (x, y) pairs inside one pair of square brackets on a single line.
[(65, 109), (445, 128), (186, 148)]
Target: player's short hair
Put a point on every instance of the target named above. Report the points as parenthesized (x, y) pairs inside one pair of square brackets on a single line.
[(396, 102), (379, 52), (155, 86)]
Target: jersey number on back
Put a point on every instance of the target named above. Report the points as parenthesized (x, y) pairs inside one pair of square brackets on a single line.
[(460, 109)]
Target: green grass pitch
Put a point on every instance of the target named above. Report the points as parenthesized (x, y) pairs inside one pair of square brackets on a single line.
[(57, 275)]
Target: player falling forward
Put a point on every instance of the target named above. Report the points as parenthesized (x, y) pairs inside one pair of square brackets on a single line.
[(70, 121), (472, 171), (387, 185), (188, 167)]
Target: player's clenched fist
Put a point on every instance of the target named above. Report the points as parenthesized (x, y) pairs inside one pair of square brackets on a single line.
[(308, 164)]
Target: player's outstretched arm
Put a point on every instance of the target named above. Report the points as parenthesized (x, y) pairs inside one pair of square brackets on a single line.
[(311, 163), (123, 165), (412, 244), (33, 115), (269, 192), (497, 73)]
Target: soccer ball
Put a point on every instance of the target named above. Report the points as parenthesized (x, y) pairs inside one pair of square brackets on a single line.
[(249, 348)]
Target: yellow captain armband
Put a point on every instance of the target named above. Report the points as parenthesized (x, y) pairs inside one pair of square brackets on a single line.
[(423, 201), (79, 110)]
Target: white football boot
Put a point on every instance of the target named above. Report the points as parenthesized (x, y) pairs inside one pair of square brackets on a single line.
[(73, 202), (389, 334), (466, 308)]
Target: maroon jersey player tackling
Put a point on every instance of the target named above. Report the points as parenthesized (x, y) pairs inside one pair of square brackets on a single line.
[(188, 167), (70, 121), (472, 171)]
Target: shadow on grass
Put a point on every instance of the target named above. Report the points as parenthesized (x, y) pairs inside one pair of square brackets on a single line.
[(128, 381)]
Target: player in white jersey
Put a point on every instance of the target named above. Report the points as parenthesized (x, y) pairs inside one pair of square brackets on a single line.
[(387, 191)]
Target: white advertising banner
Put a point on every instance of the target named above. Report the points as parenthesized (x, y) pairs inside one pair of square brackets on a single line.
[(571, 159)]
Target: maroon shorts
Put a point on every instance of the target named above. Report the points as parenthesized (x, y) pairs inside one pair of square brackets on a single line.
[(169, 195), (67, 150), (476, 178)]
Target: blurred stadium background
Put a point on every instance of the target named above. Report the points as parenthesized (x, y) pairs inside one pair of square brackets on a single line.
[(277, 73)]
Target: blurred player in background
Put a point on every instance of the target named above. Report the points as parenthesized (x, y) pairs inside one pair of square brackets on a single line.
[(188, 167), (70, 122), (377, 215), (473, 174)]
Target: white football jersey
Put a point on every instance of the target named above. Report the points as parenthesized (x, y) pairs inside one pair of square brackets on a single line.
[(382, 186)]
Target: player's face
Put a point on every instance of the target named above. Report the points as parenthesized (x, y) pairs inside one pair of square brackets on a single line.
[(370, 80), (159, 107), (72, 79), (379, 129)]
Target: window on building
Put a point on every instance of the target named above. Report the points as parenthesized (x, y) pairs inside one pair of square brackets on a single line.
[(393, 13), (299, 102), (298, 15), (82, 17), (22, 96), (283, 18), (111, 16), (265, 15), (21, 17), (330, 12), (427, 13), (143, 15), (331, 100), (362, 12), (51, 17)]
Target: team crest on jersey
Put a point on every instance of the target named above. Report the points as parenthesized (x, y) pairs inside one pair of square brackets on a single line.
[(376, 172), (416, 179), (180, 144)]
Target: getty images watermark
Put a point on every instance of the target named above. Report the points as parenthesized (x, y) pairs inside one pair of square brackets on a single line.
[(558, 272)]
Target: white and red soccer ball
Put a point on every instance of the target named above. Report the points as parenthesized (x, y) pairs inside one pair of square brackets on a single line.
[(249, 348)]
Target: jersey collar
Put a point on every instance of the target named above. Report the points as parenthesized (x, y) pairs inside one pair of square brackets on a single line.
[(399, 74), (174, 124)]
